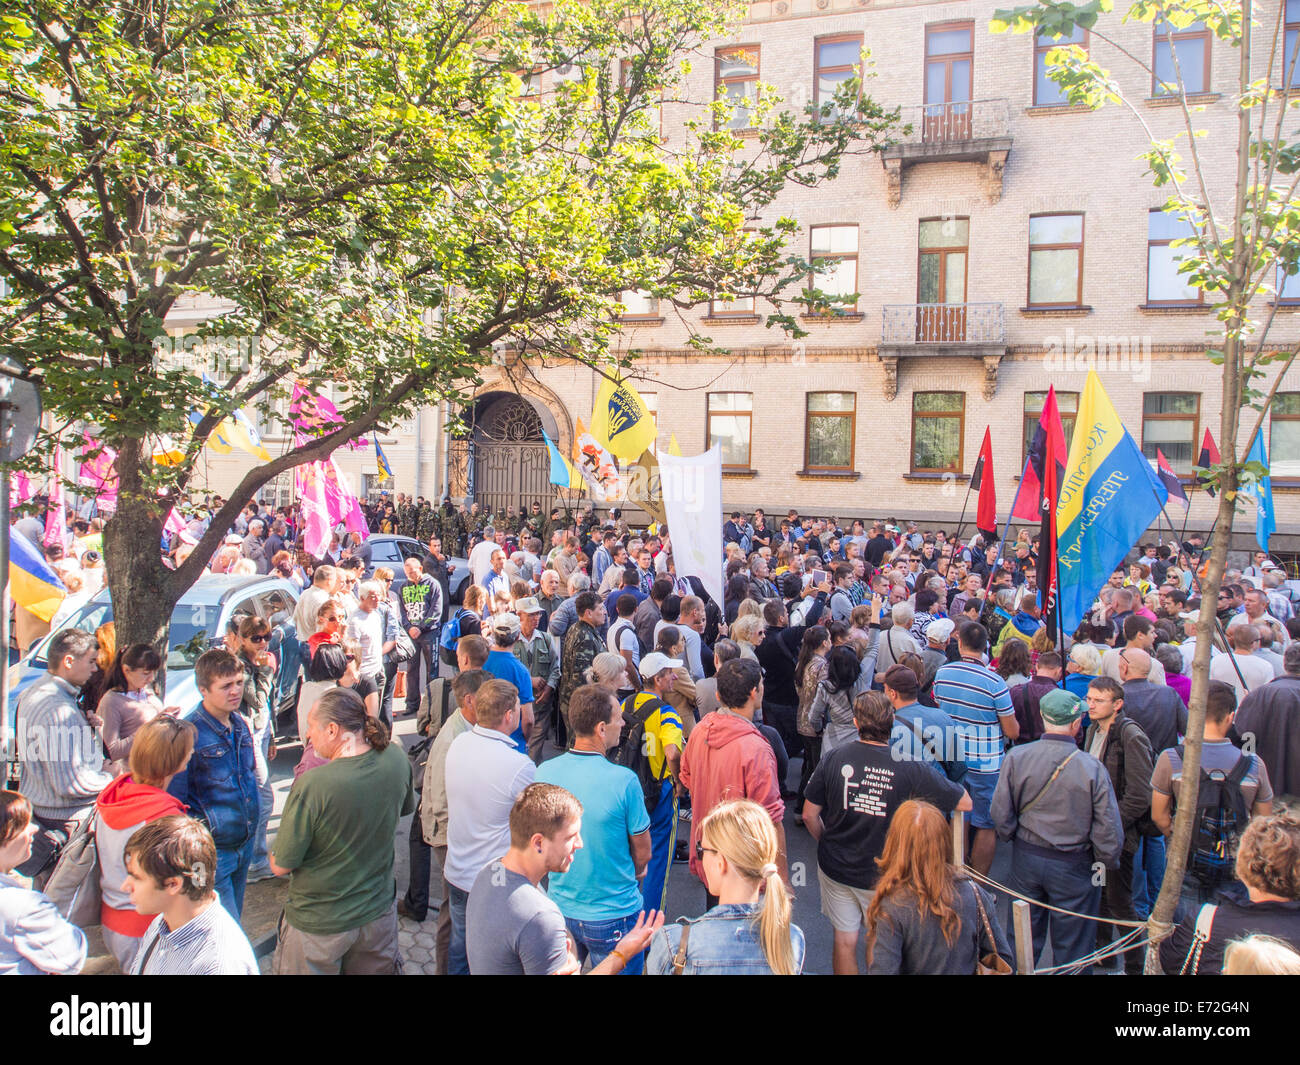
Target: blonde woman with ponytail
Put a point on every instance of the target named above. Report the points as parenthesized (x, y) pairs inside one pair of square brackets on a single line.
[(749, 932)]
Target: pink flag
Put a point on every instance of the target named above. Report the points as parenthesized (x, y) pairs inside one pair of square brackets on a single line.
[(175, 524), (20, 489), (315, 514), (56, 526), (341, 503), (98, 472), (313, 416)]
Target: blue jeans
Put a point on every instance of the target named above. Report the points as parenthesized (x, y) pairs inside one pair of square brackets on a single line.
[(232, 876), (1063, 880), (663, 838), (1148, 874), (266, 798), (457, 958), (597, 939)]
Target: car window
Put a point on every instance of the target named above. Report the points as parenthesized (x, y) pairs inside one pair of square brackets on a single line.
[(88, 619), (410, 549), (277, 606), (383, 551)]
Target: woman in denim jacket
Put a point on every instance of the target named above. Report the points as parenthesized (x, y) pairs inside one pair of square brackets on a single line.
[(749, 932)]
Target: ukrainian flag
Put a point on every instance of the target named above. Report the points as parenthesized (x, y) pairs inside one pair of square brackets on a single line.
[(32, 583), (381, 460), (562, 471), (1108, 498), (621, 422)]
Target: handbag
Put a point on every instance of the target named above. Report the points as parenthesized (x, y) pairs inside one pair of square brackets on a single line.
[(992, 963), (73, 887), (403, 650)]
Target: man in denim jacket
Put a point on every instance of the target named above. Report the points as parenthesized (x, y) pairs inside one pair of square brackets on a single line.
[(220, 784)]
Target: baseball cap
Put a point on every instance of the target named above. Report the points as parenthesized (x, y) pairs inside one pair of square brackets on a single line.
[(1060, 707), (940, 630), (655, 663), (528, 605), (505, 624), (234, 539)]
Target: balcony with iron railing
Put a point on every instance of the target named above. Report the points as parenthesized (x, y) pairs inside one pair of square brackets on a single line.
[(976, 131), (968, 330)]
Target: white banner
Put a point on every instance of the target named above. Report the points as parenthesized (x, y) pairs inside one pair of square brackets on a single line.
[(692, 498)]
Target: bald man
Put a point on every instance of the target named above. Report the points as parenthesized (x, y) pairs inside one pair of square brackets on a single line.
[(1156, 707)]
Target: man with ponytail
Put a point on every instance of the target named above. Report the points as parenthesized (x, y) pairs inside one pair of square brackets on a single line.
[(336, 842)]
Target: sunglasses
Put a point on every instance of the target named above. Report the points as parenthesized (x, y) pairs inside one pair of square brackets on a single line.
[(262, 638), (701, 850)]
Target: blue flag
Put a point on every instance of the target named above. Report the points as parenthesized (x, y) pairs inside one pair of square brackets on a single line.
[(1262, 494), (381, 461), (562, 472)]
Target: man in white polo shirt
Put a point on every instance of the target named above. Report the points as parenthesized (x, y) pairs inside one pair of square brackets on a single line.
[(485, 773)]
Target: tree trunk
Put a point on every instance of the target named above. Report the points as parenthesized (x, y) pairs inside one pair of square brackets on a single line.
[(139, 584)]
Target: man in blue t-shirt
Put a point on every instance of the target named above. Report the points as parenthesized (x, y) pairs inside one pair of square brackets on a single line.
[(600, 893), (502, 664), (978, 700)]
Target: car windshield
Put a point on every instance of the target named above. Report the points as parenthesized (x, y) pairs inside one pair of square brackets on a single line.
[(193, 631)]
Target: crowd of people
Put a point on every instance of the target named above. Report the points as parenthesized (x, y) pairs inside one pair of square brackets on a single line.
[(587, 717)]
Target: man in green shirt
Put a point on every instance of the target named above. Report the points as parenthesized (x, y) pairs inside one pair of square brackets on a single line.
[(336, 841)]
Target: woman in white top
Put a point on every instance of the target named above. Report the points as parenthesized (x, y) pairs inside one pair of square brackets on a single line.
[(34, 936)]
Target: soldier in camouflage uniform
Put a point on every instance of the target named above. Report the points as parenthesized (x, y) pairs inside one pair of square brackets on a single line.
[(406, 518), (424, 522), (582, 643)]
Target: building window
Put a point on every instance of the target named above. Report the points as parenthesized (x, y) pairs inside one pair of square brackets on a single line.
[(949, 57), (1165, 285), (1190, 47), (1068, 405), (1046, 92), (736, 78), (730, 420), (1284, 435), (836, 60), (1170, 421), (651, 401), (1288, 286), (835, 255), (937, 431), (829, 430), (638, 304), (737, 308), (1289, 61), (1056, 260)]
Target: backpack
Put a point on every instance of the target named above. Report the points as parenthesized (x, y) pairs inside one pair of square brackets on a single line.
[(1221, 817), (450, 634), (73, 887), (631, 750), (616, 633)]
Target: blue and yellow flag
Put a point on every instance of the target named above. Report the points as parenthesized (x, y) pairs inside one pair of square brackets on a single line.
[(1261, 494), (381, 460), (32, 583), (562, 472), (1107, 500), (621, 421)]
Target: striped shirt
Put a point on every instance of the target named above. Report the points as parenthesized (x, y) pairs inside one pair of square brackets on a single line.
[(211, 944), (61, 757), (975, 698)]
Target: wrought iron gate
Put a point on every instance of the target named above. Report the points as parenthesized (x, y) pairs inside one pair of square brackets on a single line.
[(503, 462)]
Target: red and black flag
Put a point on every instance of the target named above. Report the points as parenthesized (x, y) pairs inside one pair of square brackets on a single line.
[(986, 516), (1029, 498), (1170, 479), (1047, 457), (1209, 457)]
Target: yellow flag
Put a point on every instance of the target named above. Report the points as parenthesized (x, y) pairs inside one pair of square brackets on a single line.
[(621, 421), (673, 448)]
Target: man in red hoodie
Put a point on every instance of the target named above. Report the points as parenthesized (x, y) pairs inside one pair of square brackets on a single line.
[(159, 750), (726, 757)]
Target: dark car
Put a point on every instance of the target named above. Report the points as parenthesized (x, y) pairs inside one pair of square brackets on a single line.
[(382, 549)]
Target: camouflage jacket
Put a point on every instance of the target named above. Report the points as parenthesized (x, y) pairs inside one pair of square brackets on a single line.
[(582, 644)]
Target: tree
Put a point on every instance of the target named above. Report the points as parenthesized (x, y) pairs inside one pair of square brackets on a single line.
[(1244, 235), (378, 196)]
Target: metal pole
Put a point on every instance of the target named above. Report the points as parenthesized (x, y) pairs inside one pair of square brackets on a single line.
[(1007, 529), (1024, 936), (961, 522), (8, 747)]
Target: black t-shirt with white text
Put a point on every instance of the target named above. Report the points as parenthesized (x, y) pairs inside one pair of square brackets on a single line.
[(858, 787)]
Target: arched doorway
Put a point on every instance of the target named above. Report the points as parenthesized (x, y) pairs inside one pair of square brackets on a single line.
[(502, 462)]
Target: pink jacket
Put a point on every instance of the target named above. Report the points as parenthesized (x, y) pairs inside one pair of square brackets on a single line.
[(727, 757)]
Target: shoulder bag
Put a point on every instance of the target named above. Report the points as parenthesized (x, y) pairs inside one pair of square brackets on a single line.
[(989, 963)]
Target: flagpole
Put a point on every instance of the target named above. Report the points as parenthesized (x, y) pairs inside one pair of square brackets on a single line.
[(961, 522), (1007, 530)]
